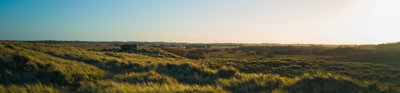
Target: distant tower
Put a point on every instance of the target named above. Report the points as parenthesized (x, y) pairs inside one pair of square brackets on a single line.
[(133, 47)]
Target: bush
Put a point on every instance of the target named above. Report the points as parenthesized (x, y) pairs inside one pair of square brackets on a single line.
[(177, 51), (196, 55), (226, 73)]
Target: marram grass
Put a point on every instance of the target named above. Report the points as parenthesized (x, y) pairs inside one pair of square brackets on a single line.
[(32, 67)]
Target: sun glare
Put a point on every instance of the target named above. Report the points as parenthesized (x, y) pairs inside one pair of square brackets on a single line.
[(383, 25)]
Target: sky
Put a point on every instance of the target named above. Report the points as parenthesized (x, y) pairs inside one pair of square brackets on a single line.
[(203, 21)]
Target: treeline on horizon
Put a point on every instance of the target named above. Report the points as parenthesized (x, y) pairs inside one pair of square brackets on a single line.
[(187, 43)]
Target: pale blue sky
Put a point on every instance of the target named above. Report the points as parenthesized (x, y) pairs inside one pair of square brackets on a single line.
[(205, 21)]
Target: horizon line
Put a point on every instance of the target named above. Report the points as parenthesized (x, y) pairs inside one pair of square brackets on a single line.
[(208, 43)]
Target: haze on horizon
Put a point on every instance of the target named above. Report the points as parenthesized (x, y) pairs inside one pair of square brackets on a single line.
[(203, 21)]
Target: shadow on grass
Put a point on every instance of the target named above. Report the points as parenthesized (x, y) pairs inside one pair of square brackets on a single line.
[(329, 85), (189, 74), (254, 86), (22, 70)]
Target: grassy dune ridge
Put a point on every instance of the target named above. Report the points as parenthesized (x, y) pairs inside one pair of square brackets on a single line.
[(29, 67)]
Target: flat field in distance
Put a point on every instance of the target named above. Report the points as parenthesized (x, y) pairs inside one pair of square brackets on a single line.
[(104, 67)]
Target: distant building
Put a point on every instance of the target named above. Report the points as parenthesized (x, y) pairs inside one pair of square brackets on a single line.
[(133, 47)]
